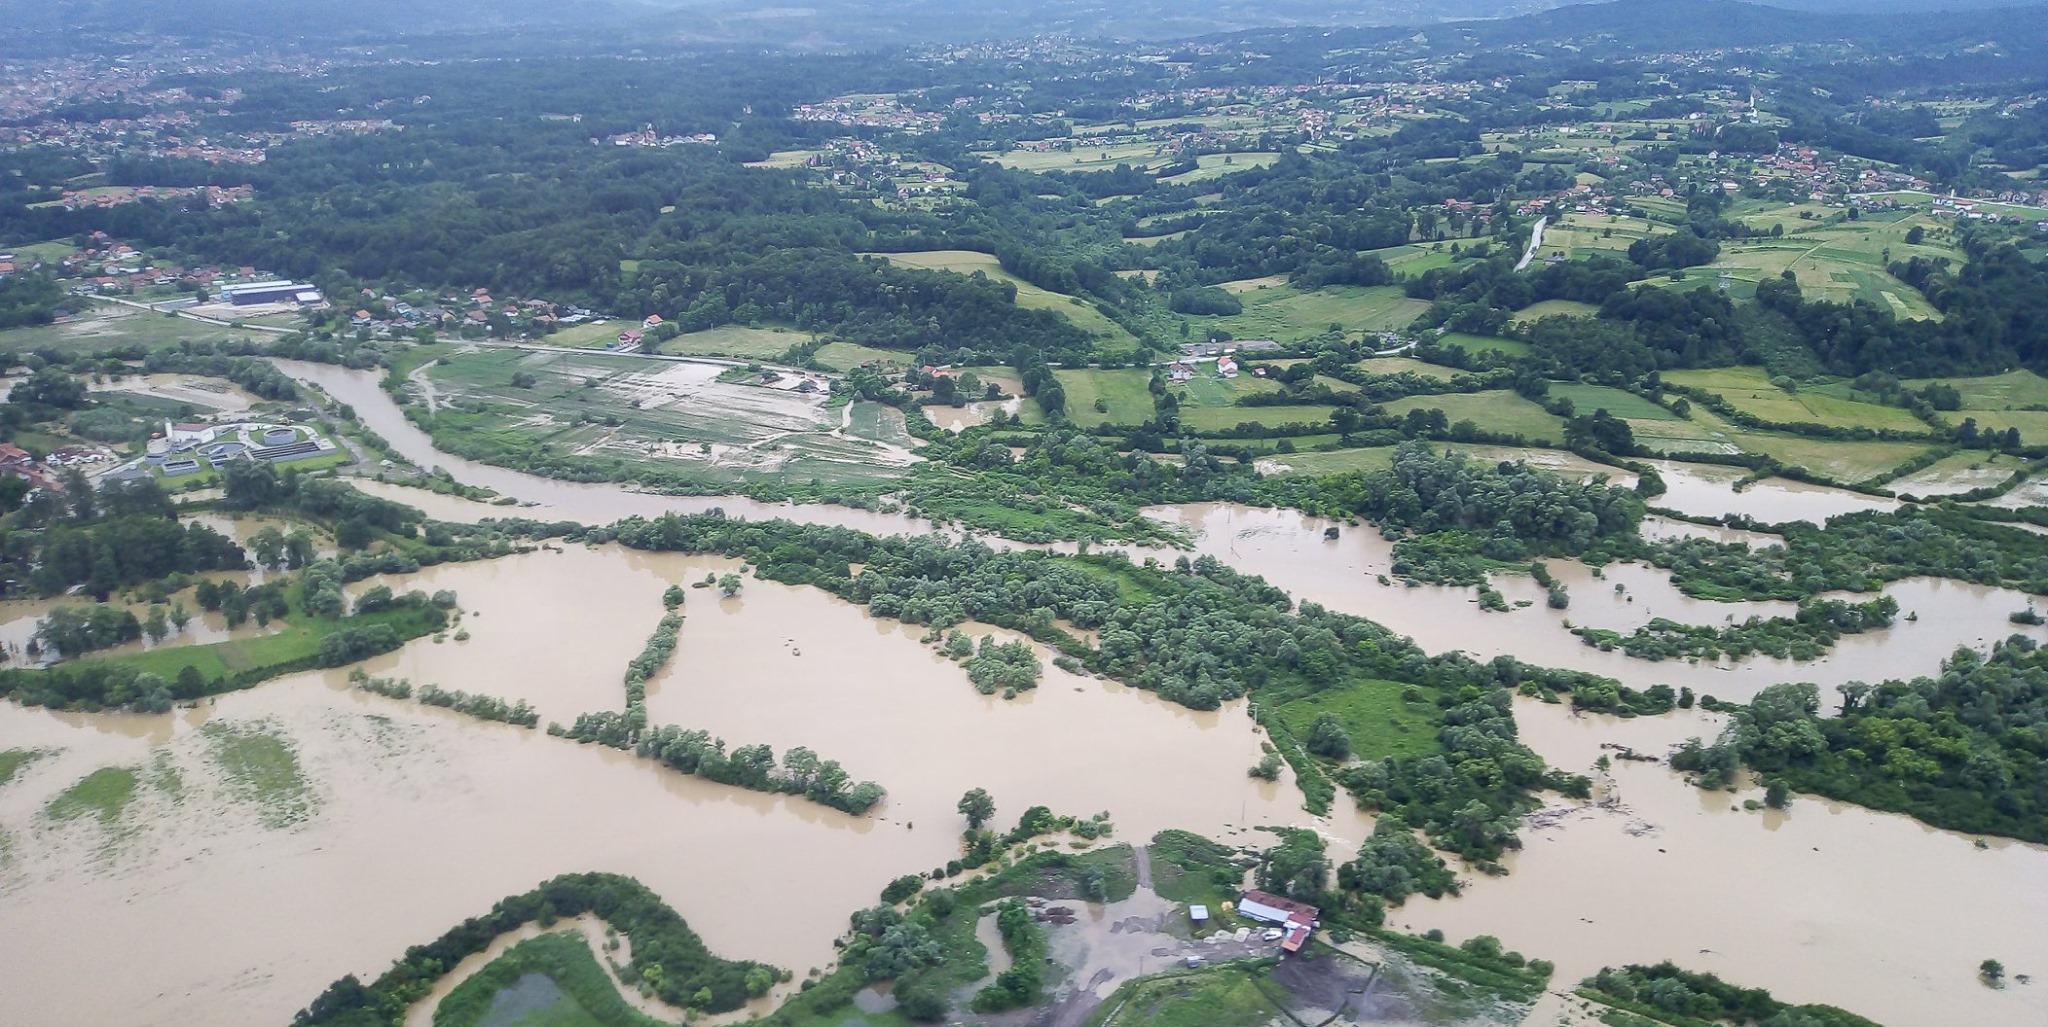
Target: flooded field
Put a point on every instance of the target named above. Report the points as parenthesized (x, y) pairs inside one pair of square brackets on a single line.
[(1707, 490), (211, 395), (1823, 902), (588, 503), (414, 818), (1288, 550), (786, 665)]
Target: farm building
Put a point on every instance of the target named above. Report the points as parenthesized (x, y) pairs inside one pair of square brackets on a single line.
[(271, 292), (1297, 919)]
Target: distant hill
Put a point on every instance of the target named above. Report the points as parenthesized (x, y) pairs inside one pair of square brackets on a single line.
[(843, 25), (1696, 24)]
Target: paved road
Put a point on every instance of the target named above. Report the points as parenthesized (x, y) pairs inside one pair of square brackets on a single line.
[(1535, 242)]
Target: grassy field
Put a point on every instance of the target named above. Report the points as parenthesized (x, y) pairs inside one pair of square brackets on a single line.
[(1842, 460), (1958, 472), (1588, 398), (1225, 996), (1495, 410), (1478, 343), (45, 252), (262, 769), (1749, 390), (577, 993), (1285, 313), (1093, 156), (735, 341), (1217, 165), (591, 334), (1373, 713), (110, 324), (12, 760), (845, 356), (1083, 315), (1335, 461), (1215, 419), (102, 794), (1121, 391), (2032, 424), (1577, 236), (1407, 365), (2008, 391), (1838, 261), (1554, 308)]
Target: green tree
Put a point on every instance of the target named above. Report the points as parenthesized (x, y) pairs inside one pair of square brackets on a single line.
[(978, 807), (1327, 737)]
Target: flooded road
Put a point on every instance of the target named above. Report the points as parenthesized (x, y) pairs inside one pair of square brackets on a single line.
[(1823, 902)]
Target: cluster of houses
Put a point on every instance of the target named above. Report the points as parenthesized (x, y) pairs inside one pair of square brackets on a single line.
[(16, 462), (648, 137), (477, 314), (114, 196)]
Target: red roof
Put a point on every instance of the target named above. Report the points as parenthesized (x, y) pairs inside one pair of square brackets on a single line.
[(1297, 912)]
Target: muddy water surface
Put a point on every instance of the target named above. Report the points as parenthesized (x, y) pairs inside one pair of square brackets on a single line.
[(420, 817), (1824, 902), (796, 666), (1288, 549), (588, 503), (1707, 490)]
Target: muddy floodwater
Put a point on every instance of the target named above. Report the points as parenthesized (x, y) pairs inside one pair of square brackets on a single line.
[(1823, 902), (413, 818), (1288, 549), (1708, 490), (588, 503), (220, 901)]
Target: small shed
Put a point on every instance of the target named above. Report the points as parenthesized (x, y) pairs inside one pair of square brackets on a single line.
[(1198, 915)]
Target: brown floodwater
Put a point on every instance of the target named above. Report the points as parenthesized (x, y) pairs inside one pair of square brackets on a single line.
[(589, 503), (1823, 902), (1288, 549), (422, 817), (1707, 490), (797, 666)]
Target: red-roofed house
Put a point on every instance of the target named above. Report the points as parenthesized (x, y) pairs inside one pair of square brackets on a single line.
[(1296, 919)]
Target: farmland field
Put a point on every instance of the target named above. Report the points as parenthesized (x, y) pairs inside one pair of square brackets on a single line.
[(109, 324), (1285, 313), (1121, 391), (1838, 261), (1335, 461), (736, 341), (1478, 343), (1749, 390), (2012, 390), (1213, 419), (1588, 398), (1031, 297), (845, 356), (1554, 308), (1407, 365), (1495, 410), (635, 414)]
